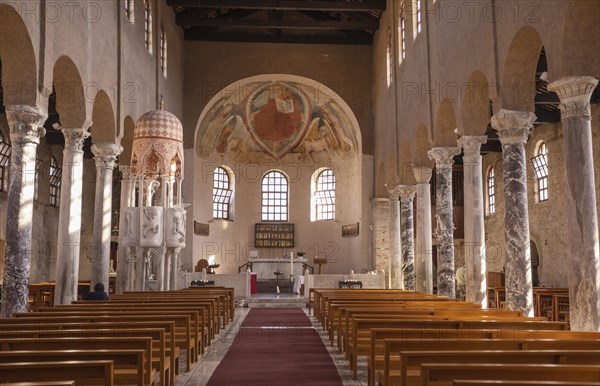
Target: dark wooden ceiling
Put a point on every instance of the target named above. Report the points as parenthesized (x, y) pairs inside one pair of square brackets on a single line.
[(280, 21)]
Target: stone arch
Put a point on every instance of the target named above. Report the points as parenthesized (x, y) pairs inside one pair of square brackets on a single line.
[(19, 74), (475, 105), (127, 140), (445, 124), (104, 129), (422, 146), (70, 96), (391, 174), (581, 47), (226, 114), (518, 81)]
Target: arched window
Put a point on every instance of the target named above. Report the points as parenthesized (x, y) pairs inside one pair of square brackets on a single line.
[(419, 9), (324, 195), (163, 51), (5, 149), (540, 167), (390, 62), (222, 193), (402, 33), (148, 25), (55, 176), (38, 164), (491, 191), (275, 191), (130, 10)]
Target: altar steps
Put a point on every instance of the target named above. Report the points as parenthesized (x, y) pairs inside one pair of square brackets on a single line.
[(273, 302)]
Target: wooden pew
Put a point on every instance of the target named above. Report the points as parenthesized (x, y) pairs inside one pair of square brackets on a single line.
[(102, 343), (157, 336), (47, 383), (83, 372), (128, 364), (444, 373), (178, 316), (359, 337), (480, 382), (393, 347), (410, 361)]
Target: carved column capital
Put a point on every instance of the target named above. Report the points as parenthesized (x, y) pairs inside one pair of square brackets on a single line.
[(394, 192), (574, 93), (513, 126), (26, 123), (126, 172), (74, 138), (106, 155), (407, 193), (471, 145), (443, 156), (422, 173)]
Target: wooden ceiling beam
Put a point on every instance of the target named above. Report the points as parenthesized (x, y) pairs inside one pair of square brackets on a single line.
[(192, 21), (198, 34), (286, 5)]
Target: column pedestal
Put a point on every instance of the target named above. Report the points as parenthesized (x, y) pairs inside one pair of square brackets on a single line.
[(513, 129), (582, 218), (106, 157), (26, 129), (423, 247), (444, 159), (474, 250)]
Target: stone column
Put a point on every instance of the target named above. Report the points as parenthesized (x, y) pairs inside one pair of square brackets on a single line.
[(513, 129), (407, 236), (381, 213), (124, 258), (444, 159), (106, 157), (174, 266), (476, 290), (582, 218), (69, 216), (423, 263), (395, 268), (26, 129)]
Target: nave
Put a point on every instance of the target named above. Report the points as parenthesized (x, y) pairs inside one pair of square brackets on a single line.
[(373, 337)]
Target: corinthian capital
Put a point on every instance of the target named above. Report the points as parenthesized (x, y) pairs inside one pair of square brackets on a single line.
[(407, 193), (422, 173), (26, 123), (74, 138), (443, 156), (574, 93), (106, 155), (513, 126)]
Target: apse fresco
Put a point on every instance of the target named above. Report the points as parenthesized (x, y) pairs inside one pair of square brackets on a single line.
[(263, 121)]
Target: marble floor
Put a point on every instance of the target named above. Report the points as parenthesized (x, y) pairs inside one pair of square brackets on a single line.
[(201, 373)]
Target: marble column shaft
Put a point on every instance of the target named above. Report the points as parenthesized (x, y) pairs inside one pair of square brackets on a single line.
[(582, 219), (174, 267), (26, 129), (124, 281), (105, 157), (444, 159), (513, 129), (394, 237), (407, 235), (69, 217), (474, 249), (423, 247)]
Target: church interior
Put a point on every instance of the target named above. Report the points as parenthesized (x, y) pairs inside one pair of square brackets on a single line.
[(331, 167)]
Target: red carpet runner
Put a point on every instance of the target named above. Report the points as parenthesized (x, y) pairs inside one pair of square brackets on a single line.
[(289, 353)]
